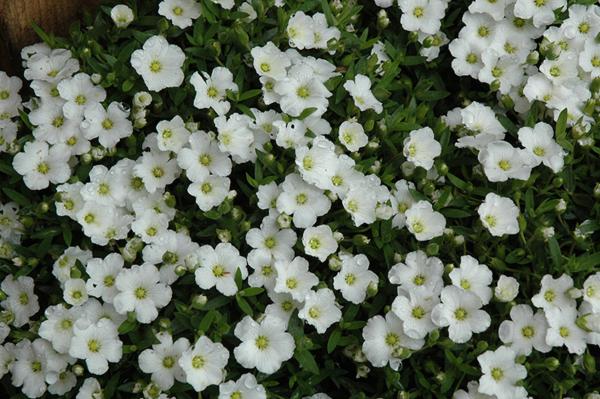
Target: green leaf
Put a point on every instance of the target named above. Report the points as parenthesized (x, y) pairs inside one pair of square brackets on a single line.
[(306, 360), (16, 196), (251, 291), (244, 305), (555, 252), (334, 339)]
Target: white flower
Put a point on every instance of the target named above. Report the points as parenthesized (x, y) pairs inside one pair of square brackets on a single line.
[(555, 293), (264, 269), (384, 340), (360, 90), (20, 300), (419, 272), (421, 147), (402, 200), (294, 278), (159, 63), (41, 165), (481, 121), (209, 191), (473, 388), (270, 61), (541, 146), (80, 93), (474, 277), (504, 70), (423, 222), (501, 373), (589, 58), (501, 161), (211, 90), (467, 57), (162, 361), (320, 309), (109, 126), (542, 12), (203, 158), (172, 135), (499, 215), (156, 170), (90, 389), (180, 12), (204, 363), (74, 292), (302, 89), (35, 363), (591, 291), (218, 267), (354, 278), (422, 15), (121, 15), (300, 30), (525, 330), (103, 188), (235, 137), (58, 326), (507, 288), (141, 291), (61, 269), (265, 344), (461, 312), (563, 330), (352, 135), (245, 387), (415, 312), (319, 242), (276, 242), (103, 274), (96, 343), (150, 226), (303, 201)]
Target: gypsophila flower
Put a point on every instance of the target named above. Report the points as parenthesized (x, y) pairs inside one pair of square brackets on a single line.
[(320, 309), (141, 291), (121, 15), (203, 363), (180, 12), (265, 344), (499, 215), (159, 63)]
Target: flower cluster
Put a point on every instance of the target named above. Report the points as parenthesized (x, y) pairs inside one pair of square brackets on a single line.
[(280, 200)]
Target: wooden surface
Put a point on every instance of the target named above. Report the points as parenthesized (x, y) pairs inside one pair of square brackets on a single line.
[(15, 24)]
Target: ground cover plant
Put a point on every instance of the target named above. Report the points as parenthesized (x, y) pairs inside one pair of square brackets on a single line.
[(306, 199)]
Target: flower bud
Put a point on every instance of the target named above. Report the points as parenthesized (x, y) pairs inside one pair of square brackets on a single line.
[(164, 323), (507, 289), (198, 301), (335, 264), (360, 240), (533, 58), (284, 221), (551, 363), (561, 206), (78, 370), (180, 270), (224, 235), (382, 19), (372, 289)]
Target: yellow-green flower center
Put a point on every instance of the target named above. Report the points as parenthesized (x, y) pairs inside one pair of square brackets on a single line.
[(262, 342), (460, 314), (94, 346), (155, 66), (140, 293)]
